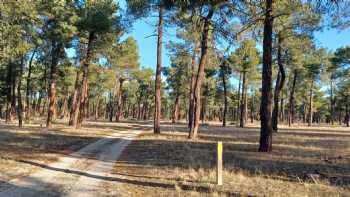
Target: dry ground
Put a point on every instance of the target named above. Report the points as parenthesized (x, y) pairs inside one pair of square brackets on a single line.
[(34, 143), (171, 165)]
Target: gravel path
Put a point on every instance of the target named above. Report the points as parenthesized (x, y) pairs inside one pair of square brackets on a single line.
[(86, 172)]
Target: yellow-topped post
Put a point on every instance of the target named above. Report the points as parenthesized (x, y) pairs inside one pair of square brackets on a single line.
[(219, 164)]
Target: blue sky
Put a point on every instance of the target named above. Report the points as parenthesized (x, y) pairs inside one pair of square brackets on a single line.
[(331, 39), (142, 29)]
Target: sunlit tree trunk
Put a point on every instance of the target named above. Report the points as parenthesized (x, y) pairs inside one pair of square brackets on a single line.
[(82, 99), (75, 99), (198, 84), (157, 111), (56, 47)]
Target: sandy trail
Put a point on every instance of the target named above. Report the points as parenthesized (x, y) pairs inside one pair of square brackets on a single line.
[(86, 172)]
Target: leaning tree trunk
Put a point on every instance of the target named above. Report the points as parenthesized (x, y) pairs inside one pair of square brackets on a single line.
[(266, 90), (157, 104), (56, 47), (281, 77), (200, 76), (193, 77), (28, 87), (292, 100), (310, 104), (243, 101), (19, 95), (82, 99)]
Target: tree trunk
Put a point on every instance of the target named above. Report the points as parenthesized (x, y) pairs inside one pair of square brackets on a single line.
[(252, 110), (198, 84), (19, 95), (332, 103), (64, 107), (239, 96), (310, 104), (75, 99), (157, 104), (28, 87), (225, 99), (279, 84), (347, 116), (192, 83), (82, 99), (266, 90), (243, 102), (110, 106), (119, 100), (176, 108), (9, 85), (56, 47), (292, 100)]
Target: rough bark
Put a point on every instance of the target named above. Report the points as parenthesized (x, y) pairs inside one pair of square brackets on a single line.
[(64, 107), (281, 77), (56, 47), (192, 83), (266, 90), (199, 79), (243, 106), (82, 99), (157, 104), (75, 99), (292, 100)]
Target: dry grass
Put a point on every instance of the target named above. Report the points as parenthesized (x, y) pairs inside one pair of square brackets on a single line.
[(171, 165), (35, 143)]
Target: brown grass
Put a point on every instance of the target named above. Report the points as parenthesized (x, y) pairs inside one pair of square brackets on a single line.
[(171, 165)]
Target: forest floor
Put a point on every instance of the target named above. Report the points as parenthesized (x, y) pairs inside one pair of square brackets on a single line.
[(62, 161), (304, 162)]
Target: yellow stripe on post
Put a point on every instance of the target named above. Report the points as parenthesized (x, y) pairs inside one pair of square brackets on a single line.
[(219, 164)]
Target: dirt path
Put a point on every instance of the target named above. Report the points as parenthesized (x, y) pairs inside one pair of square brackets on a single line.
[(86, 172)]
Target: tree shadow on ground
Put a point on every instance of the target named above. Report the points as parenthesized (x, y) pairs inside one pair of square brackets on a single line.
[(11, 190), (123, 179)]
